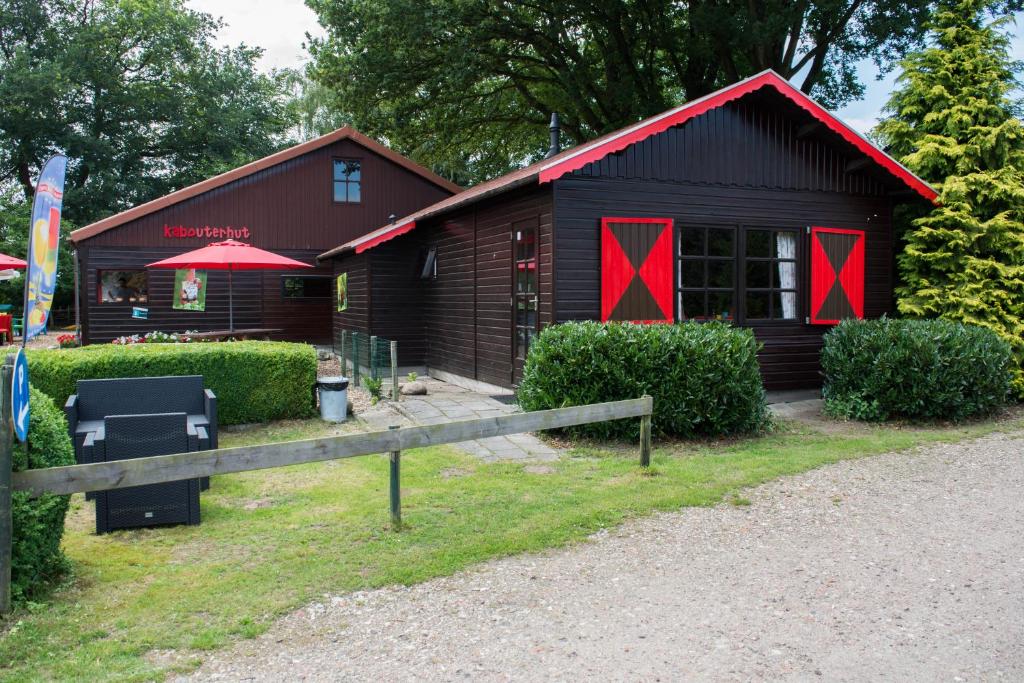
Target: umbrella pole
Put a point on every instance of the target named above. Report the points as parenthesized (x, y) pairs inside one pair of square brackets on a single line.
[(231, 303)]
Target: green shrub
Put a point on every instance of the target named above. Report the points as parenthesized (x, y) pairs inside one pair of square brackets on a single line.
[(39, 523), (704, 378), (254, 381), (919, 369), (374, 387)]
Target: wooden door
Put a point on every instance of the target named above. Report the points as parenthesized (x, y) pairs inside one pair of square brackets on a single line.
[(525, 318)]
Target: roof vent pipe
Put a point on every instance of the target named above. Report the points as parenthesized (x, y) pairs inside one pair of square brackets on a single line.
[(555, 131)]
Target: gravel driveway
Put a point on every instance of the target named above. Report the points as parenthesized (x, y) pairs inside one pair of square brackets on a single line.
[(899, 567)]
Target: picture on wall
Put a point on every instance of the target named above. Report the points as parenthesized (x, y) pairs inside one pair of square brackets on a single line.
[(343, 292), (189, 289)]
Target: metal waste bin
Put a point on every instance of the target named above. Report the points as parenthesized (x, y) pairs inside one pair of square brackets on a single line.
[(333, 398)]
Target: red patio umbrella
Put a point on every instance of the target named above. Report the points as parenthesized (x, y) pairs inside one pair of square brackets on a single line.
[(230, 255), (7, 262)]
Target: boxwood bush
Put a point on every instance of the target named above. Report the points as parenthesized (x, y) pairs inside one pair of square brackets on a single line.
[(704, 378), (39, 523), (254, 381), (918, 369)]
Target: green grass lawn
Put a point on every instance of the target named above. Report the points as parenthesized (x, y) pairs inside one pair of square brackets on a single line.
[(142, 603)]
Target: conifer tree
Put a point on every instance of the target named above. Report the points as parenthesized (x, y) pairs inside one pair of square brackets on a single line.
[(953, 121)]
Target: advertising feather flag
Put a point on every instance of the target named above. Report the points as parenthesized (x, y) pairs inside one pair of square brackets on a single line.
[(43, 243)]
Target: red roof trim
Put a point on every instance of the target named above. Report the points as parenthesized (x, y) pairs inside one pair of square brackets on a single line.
[(633, 134), (213, 183), (379, 236), (574, 158)]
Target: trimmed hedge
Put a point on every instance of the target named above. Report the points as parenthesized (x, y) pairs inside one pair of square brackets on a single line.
[(919, 369), (704, 377), (255, 381), (39, 523)]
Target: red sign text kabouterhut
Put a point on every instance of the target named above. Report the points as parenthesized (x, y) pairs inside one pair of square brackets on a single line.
[(206, 231)]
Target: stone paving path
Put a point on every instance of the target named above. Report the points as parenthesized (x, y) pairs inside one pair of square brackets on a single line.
[(446, 402)]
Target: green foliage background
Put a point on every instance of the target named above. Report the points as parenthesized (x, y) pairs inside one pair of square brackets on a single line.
[(704, 377), (39, 523), (921, 369), (140, 97), (468, 87), (136, 93), (954, 121), (254, 381)]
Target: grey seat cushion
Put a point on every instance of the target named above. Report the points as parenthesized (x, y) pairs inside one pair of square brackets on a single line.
[(96, 426)]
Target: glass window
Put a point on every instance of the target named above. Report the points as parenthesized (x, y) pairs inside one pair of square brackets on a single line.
[(123, 286), (305, 287), (429, 269), (721, 277), (707, 273), (771, 286), (347, 181)]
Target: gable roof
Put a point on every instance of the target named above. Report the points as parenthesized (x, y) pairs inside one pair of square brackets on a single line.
[(345, 133), (574, 158)]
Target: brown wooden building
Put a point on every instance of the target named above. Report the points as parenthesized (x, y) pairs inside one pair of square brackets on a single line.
[(297, 202), (752, 204)]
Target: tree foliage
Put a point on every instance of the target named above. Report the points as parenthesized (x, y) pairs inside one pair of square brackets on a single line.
[(310, 106), (953, 121), (467, 85), (15, 211), (134, 92)]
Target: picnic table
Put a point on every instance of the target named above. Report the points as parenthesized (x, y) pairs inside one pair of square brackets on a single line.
[(252, 333)]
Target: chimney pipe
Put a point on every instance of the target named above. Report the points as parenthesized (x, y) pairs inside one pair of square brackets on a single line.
[(555, 130)]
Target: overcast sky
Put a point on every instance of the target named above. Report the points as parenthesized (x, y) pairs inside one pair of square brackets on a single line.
[(280, 28)]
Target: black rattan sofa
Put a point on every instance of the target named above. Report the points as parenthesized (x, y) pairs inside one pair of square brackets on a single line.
[(137, 436), (98, 398)]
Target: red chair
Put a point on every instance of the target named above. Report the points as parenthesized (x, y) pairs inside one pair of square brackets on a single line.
[(6, 329)]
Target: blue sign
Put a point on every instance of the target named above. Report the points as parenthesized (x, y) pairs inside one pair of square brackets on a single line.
[(19, 396)]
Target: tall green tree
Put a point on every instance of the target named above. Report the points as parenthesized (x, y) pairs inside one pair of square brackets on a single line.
[(135, 92), (309, 106), (954, 121), (468, 85)]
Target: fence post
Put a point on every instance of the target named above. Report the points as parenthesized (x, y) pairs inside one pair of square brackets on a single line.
[(645, 440), (355, 359), (6, 466), (394, 371), (374, 373), (341, 353), (395, 458)]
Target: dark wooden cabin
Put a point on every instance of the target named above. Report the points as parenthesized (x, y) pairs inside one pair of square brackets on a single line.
[(297, 202), (753, 205)]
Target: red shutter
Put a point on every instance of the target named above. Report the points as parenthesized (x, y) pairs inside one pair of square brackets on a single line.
[(837, 275), (636, 269)]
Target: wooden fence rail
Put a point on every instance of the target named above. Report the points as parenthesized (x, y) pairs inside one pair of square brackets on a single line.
[(103, 476)]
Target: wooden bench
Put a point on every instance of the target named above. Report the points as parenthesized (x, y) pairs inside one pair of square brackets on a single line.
[(253, 333)]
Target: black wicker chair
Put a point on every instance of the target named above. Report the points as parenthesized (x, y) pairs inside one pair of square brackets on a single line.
[(98, 398), (137, 436)]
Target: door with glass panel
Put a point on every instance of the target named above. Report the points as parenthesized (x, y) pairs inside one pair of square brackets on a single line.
[(525, 318)]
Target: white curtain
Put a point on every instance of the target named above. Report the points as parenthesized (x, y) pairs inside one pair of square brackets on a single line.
[(786, 246)]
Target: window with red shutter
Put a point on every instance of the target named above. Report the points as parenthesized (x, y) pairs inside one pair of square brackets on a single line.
[(636, 269), (837, 275)]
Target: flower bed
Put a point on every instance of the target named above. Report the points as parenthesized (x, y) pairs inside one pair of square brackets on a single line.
[(158, 337)]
